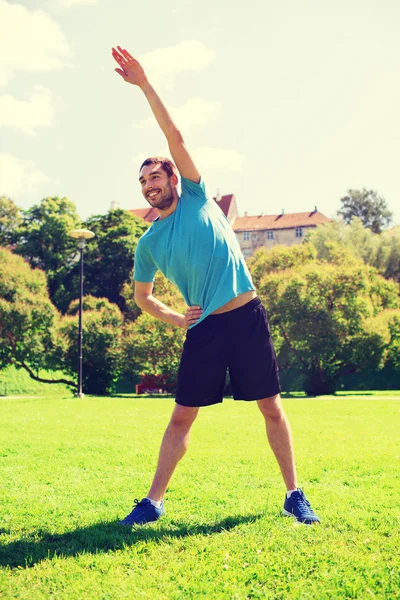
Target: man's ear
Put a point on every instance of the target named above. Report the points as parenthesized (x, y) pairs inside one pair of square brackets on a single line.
[(174, 180)]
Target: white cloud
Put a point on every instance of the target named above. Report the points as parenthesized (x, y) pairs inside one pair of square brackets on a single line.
[(16, 175), (206, 158), (139, 158), (29, 41), (69, 3), (162, 64), (196, 112), (217, 158), (26, 115)]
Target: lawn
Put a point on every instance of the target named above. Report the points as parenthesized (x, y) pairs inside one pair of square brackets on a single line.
[(70, 468)]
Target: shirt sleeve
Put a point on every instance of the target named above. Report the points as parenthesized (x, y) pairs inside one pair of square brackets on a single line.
[(192, 190), (144, 266)]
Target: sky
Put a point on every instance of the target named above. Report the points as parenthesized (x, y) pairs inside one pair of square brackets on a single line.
[(287, 105)]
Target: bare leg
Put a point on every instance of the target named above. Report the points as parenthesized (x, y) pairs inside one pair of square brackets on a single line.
[(173, 447), (280, 438)]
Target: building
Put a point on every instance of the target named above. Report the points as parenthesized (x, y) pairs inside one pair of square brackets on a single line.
[(256, 231), (270, 230), (228, 206)]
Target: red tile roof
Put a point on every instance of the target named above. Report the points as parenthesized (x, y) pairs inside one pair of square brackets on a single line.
[(260, 222), (303, 219), (149, 214), (225, 203)]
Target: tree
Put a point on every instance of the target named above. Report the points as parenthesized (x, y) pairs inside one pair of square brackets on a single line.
[(153, 348), (43, 235), (326, 318), (394, 346), (365, 204), (279, 258), (10, 220), (28, 319), (150, 347), (109, 256), (102, 340), (43, 240), (382, 251), (392, 264)]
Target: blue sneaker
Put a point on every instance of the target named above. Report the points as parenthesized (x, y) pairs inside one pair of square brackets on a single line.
[(298, 507), (143, 512)]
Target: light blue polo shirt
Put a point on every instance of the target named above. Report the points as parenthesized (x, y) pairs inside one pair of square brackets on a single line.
[(196, 249)]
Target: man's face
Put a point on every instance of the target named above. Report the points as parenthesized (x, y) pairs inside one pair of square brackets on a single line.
[(156, 186)]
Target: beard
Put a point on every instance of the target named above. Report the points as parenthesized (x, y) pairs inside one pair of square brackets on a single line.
[(165, 199)]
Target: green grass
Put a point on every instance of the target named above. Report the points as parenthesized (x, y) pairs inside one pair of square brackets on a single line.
[(16, 382), (70, 468)]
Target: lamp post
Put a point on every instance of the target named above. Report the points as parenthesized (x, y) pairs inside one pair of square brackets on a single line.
[(81, 235)]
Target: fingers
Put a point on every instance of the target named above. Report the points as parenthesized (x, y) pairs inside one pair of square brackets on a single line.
[(125, 61), (194, 310), (121, 56), (125, 53), (193, 314), (121, 72), (118, 57)]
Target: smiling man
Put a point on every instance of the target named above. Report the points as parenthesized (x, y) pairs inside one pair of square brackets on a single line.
[(156, 185), (194, 246)]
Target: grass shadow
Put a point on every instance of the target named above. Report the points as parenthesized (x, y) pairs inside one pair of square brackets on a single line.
[(102, 537), (341, 393)]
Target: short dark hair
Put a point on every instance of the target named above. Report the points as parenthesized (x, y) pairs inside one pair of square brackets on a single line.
[(166, 164)]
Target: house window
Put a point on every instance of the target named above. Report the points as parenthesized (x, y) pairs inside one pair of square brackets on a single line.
[(270, 235), (246, 252), (299, 232), (246, 236), (254, 236)]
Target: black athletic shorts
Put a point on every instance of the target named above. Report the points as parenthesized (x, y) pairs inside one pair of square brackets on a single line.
[(238, 340)]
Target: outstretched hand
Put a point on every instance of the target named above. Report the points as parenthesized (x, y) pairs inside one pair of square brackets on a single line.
[(131, 70)]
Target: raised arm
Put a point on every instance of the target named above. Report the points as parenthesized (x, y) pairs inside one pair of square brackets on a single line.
[(132, 72)]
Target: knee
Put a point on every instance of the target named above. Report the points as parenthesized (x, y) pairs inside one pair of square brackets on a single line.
[(271, 408), (183, 416)]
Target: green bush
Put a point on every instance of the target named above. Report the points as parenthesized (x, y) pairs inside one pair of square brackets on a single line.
[(151, 347), (329, 318), (102, 339), (28, 320)]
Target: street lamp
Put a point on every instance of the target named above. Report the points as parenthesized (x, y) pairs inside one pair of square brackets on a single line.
[(81, 235)]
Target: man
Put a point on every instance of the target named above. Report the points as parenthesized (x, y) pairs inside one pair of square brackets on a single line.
[(194, 246)]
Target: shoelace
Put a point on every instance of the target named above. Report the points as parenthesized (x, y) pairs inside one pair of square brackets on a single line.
[(138, 503), (303, 502)]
